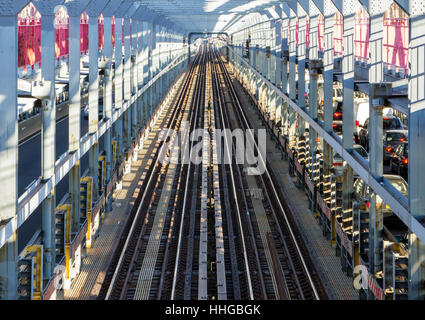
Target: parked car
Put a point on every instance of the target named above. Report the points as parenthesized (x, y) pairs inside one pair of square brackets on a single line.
[(399, 162), (389, 123), (361, 193), (392, 139)]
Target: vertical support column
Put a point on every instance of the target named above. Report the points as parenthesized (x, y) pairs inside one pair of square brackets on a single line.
[(285, 60), (94, 99), (348, 81), (285, 55), (328, 69), (9, 151), (159, 65), (416, 138), (348, 110), (315, 65), (119, 134), (154, 67), (301, 53), (263, 52), (127, 59), (134, 72), (269, 50), (314, 73), (376, 219), (48, 143), (145, 69), (151, 28), (257, 58), (292, 84), (278, 54), (139, 56), (74, 117), (146, 47), (107, 100), (127, 83)]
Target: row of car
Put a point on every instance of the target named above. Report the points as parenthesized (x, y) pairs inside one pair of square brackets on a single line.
[(395, 153), (395, 134)]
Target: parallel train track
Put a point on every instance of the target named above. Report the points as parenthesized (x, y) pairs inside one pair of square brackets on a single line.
[(198, 231)]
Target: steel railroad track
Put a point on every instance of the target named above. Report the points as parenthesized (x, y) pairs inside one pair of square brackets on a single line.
[(291, 273)]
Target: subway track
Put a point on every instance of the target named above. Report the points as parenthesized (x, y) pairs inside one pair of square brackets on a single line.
[(121, 281), (290, 273), (202, 226)]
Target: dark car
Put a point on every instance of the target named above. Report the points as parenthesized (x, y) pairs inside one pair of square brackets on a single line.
[(392, 139), (399, 162), (389, 123)]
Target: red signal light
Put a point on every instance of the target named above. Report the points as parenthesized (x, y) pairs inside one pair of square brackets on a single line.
[(406, 161), (389, 149)]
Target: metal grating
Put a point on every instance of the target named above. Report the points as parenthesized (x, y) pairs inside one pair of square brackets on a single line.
[(379, 6), (76, 7), (11, 7), (314, 11), (417, 7), (123, 8), (350, 7), (330, 8), (110, 9), (47, 7), (300, 11), (94, 9), (131, 11)]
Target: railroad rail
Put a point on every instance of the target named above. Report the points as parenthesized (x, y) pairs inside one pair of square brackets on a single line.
[(122, 278), (283, 242), (207, 229)]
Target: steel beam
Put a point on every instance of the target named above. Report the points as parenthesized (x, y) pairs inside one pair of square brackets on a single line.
[(74, 116), (48, 142), (118, 89), (416, 149), (94, 99), (107, 100), (127, 83), (328, 68), (292, 85), (33, 197), (9, 151), (376, 219)]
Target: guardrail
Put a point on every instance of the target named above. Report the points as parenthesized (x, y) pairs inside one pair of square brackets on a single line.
[(100, 204), (345, 243), (397, 202), (28, 203)]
